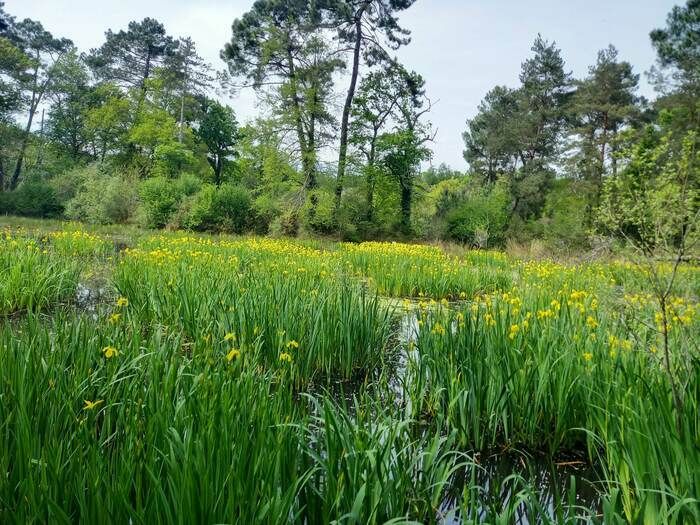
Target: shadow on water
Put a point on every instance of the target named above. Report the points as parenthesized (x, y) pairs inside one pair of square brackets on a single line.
[(529, 488)]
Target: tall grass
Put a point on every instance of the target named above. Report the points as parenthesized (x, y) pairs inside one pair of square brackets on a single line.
[(31, 276), (517, 371), (205, 388)]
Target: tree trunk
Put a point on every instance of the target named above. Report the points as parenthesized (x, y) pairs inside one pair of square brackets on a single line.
[(218, 169), (182, 118), (182, 103), (310, 181), (371, 177), (33, 104), (406, 203), (308, 160), (2, 174), (343, 151)]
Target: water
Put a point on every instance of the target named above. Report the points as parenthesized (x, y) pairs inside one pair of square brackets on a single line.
[(89, 295), (527, 485)]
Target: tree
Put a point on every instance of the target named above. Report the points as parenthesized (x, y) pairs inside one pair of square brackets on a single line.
[(678, 45), (654, 206), (360, 23), (375, 106), (518, 133), (108, 120), (70, 101), (218, 129), (604, 103), (400, 155), (14, 64), (129, 57), (6, 21), (37, 81), (278, 44), (188, 76), (543, 96), (491, 144)]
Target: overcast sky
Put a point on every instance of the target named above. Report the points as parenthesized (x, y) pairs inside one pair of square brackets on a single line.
[(462, 47)]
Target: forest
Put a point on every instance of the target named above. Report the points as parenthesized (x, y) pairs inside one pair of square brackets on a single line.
[(138, 131)]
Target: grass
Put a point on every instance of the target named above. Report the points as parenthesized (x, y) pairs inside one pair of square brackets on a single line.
[(248, 380), (31, 278)]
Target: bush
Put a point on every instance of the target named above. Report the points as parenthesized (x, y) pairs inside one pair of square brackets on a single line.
[(171, 159), (33, 198), (287, 224), (481, 220), (120, 200), (102, 198), (265, 209), (233, 204), (565, 212), (69, 183), (318, 212), (226, 208), (160, 198)]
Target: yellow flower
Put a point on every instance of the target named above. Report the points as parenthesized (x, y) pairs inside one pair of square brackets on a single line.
[(91, 405), (591, 322), (513, 331), (438, 329), (233, 354), (229, 337), (122, 302), (110, 352), (114, 318), (292, 344), (285, 356), (587, 356)]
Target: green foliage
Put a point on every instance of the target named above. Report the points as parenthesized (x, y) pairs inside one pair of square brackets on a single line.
[(170, 159), (129, 57), (678, 44), (653, 203), (562, 220), (99, 197), (480, 220), (224, 208), (218, 130), (160, 198), (33, 198)]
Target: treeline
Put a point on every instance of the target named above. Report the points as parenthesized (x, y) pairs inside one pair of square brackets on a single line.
[(135, 131)]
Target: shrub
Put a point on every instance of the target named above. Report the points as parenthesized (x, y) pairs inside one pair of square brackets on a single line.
[(481, 220), (160, 198), (233, 204), (69, 183), (226, 208), (565, 212), (287, 224), (120, 200), (265, 209), (171, 159), (102, 198), (33, 198)]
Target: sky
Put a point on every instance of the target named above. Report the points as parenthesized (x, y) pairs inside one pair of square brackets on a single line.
[(462, 48)]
